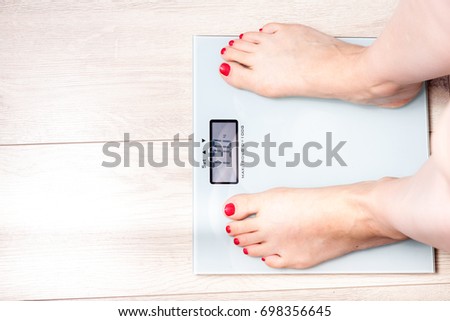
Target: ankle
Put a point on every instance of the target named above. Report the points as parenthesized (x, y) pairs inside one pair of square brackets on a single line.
[(380, 89), (364, 196)]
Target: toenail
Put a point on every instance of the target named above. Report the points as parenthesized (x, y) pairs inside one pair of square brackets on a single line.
[(231, 42), (241, 35), (260, 29), (245, 251), (229, 208), (223, 51), (225, 70), (263, 259), (236, 241), (228, 229)]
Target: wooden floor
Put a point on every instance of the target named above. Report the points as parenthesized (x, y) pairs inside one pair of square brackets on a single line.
[(76, 74)]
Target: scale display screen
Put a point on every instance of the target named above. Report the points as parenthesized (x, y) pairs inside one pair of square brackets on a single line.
[(223, 158)]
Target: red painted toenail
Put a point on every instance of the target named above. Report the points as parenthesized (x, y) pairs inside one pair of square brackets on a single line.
[(241, 35), (225, 70), (229, 208), (245, 251), (263, 259), (231, 43), (260, 29), (236, 241), (228, 229), (223, 51)]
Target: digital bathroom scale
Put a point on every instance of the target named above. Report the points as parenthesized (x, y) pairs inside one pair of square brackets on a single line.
[(345, 143)]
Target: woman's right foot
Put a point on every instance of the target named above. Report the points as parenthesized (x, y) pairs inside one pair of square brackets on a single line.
[(294, 60)]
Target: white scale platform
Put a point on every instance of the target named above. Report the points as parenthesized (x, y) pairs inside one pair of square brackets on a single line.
[(379, 142)]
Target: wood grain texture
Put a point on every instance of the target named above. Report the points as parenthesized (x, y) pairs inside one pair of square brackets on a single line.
[(70, 228), (438, 98), (428, 292), (75, 71), (90, 71)]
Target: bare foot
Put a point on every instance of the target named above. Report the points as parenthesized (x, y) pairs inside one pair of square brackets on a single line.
[(299, 228), (295, 60)]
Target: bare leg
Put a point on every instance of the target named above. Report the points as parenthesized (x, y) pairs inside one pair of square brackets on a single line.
[(295, 60), (299, 228), (302, 227)]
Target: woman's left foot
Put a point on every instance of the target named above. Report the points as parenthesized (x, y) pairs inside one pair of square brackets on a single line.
[(299, 228)]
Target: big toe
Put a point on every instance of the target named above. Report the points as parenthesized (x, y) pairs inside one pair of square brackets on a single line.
[(241, 206), (237, 75)]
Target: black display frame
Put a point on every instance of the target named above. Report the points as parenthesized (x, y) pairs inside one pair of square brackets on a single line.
[(211, 122)]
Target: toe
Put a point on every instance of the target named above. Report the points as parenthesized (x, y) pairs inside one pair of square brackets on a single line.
[(274, 261), (254, 37), (237, 75), (256, 250), (248, 239), (240, 227), (271, 27), (243, 45), (242, 57), (241, 206)]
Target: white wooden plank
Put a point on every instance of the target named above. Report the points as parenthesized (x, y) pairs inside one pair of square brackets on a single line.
[(70, 228), (427, 292), (75, 71)]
